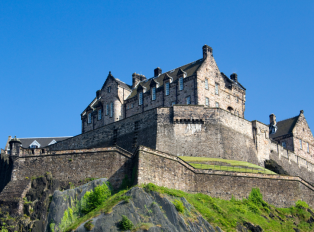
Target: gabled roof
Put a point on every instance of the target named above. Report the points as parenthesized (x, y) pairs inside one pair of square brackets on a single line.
[(121, 83), (285, 127), (190, 69), (44, 141)]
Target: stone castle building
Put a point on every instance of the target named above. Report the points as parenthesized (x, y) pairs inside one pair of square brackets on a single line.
[(138, 133), (197, 83)]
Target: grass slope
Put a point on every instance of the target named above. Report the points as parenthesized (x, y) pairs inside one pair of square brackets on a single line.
[(225, 214), (225, 165)]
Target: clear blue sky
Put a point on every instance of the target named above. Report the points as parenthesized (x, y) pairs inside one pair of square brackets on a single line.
[(56, 54)]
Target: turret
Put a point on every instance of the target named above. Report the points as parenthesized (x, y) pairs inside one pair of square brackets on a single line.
[(15, 144)]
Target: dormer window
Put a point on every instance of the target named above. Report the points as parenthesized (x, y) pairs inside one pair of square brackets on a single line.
[(99, 114), (109, 89), (154, 93), (140, 99), (206, 83), (181, 83), (89, 118), (167, 88)]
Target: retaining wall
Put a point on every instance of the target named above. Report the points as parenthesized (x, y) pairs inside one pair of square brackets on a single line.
[(170, 171)]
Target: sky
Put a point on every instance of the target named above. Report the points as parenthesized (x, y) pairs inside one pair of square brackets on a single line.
[(55, 55)]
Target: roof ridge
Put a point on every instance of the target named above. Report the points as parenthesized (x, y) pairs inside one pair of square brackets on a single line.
[(174, 69), (45, 137), (289, 118)]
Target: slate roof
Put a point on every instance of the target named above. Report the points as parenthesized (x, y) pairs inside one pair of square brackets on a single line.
[(284, 127), (44, 141), (190, 69)]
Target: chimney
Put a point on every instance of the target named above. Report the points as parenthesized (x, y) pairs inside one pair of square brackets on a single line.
[(301, 111), (207, 51), (98, 94), (136, 78), (272, 119), (234, 77), (157, 72)]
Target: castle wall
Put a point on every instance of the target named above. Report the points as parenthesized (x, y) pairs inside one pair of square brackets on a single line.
[(126, 133), (170, 171), (292, 163), (75, 165), (207, 132)]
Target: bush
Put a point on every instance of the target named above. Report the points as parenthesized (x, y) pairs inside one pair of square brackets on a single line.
[(301, 204), (125, 223), (179, 205), (92, 199), (88, 225)]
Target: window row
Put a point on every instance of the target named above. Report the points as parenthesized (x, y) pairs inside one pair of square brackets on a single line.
[(99, 115)]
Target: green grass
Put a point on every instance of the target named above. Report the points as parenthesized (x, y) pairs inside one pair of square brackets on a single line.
[(231, 165), (227, 214)]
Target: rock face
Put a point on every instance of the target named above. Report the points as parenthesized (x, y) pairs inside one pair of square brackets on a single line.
[(150, 211), (62, 200)]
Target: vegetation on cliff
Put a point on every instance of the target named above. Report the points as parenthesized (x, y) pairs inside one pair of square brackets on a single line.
[(251, 214)]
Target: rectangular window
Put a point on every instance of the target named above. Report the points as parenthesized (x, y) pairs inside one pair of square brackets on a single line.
[(107, 109), (99, 114), (111, 109), (217, 104), (109, 89), (206, 83), (206, 101), (140, 99), (308, 148), (167, 88), (284, 145), (128, 107), (154, 93), (188, 100), (173, 103), (237, 99), (300, 144), (132, 106), (89, 118), (216, 89), (181, 83)]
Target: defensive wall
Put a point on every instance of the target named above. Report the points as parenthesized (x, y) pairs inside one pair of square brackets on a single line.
[(181, 130), (170, 171), (66, 166), (145, 165)]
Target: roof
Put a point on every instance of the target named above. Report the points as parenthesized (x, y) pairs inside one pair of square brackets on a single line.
[(123, 85), (189, 69), (43, 141), (285, 127)]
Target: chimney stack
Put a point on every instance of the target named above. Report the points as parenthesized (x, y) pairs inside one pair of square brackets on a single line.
[(157, 72), (301, 111), (207, 51), (136, 78), (272, 119), (234, 77)]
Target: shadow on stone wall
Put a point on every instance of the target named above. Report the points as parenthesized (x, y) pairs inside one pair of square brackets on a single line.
[(6, 167)]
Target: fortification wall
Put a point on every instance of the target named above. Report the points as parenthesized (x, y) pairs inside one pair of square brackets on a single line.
[(205, 132), (292, 163), (127, 134), (170, 171), (75, 165)]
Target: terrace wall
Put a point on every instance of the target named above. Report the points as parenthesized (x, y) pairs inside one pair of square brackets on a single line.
[(170, 171)]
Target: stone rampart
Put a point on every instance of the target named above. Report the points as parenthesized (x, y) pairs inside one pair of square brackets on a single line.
[(292, 163), (172, 172)]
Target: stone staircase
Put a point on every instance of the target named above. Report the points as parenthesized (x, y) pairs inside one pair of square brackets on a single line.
[(11, 197)]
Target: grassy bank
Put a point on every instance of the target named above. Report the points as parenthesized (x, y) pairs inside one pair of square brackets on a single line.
[(224, 165)]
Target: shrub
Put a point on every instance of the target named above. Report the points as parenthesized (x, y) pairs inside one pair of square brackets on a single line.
[(88, 225), (179, 205), (151, 187), (92, 199), (125, 223), (301, 204)]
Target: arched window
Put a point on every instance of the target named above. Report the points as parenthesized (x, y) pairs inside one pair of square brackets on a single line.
[(230, 109)]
